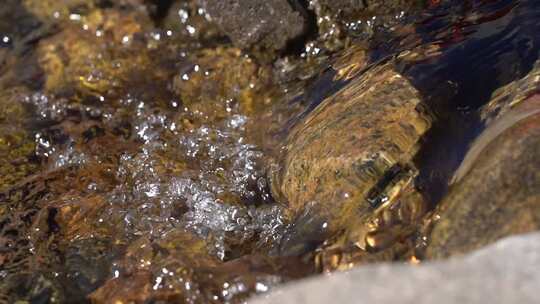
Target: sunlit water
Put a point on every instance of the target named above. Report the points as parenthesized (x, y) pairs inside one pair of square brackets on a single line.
[(150, 160)]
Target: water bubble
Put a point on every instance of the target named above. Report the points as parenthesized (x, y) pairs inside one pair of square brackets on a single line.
[(260, 287), (5, 41), (75, 17), (191, 30), (184, 15)]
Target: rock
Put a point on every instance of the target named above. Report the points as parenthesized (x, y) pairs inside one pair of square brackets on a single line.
[(363, 19), (512, 94), (269, 24), (184, 18), (16, 144), (212, 79), (351, 159), (496, 190), (181, 262), (118, 290), (505, 272), (61, 224), (377, 7), (51, 11), (72, 56)]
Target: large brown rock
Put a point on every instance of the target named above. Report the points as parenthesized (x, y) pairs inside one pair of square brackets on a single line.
[(351, 159)]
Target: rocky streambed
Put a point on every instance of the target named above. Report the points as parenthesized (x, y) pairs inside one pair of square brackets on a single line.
[(208, 151)]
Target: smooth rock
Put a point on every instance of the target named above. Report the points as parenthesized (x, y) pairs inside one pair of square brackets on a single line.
[(505, 272), (351, 157)]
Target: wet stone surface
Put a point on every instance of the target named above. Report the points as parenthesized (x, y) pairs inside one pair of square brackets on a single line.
[(341, 171), (268, 24)]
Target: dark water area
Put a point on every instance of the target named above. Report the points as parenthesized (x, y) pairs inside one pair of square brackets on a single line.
[(492, 44), (135, 158), (467, 50)]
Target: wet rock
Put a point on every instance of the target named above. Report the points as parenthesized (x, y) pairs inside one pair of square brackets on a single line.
[(512, 95), (496, 190), (179, 267), (152, 187), (351, 159), (119, 290), (187, 20), (86, 58), (213, 81), (50, 11), (372, 20), (160, 270), (269, 24), (16, 144), (375, 7)]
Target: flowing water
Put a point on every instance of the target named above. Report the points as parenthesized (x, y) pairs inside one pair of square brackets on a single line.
[(135, 152)]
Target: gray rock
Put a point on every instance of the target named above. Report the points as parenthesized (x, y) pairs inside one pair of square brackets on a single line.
[(505, 272), (270, 23)]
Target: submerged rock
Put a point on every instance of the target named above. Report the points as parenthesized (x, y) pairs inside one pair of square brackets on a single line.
[(188, 21), (16, 144), (52, 11), (179, 268), (268, 24), (212, 80), (496, 190), (373, 7), (372, 21), (350, 161)]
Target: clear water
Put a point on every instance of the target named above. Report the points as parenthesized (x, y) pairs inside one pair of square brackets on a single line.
[(138, 155)]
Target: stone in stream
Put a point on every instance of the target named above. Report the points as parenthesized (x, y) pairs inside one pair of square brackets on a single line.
[(505, 272), (374, 7), (496, 190), (181, 262), (348, 164), (268, 24), (362, 19)]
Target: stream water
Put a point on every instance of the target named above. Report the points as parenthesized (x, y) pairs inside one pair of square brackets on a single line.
[(135, 154)]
